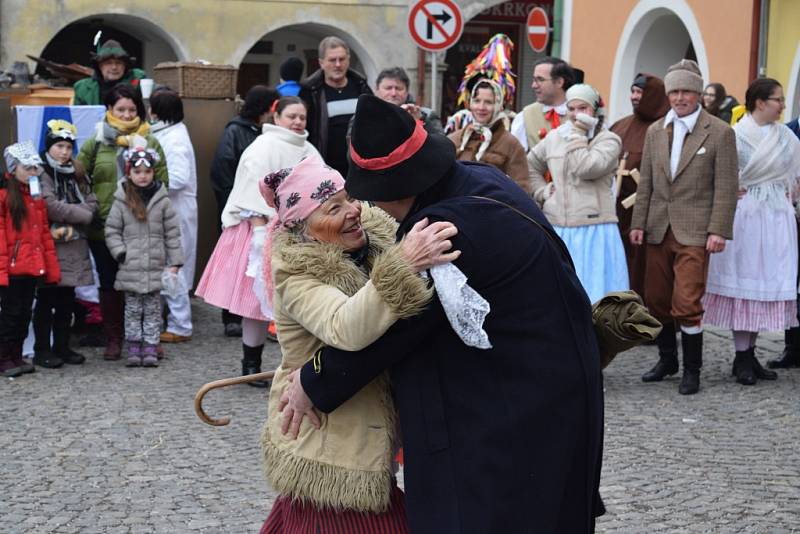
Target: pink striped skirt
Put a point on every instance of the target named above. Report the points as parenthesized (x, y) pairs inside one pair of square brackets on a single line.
[(224, 283), (296, 517), (749, 315)]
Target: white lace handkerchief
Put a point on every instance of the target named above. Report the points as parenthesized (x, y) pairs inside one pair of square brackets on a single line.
[(465, 308)]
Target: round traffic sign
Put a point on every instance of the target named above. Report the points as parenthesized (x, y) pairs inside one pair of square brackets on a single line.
[(435, 24), (538, 27)]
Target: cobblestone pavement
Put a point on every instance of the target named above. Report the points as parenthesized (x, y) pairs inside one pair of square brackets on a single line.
[(104, 448)]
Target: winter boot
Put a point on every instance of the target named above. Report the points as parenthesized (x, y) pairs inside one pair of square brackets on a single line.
[(8, 366), (251, 364), (791, 351), (61, 345), (46, 359), (232, 324), (42, 325), (134, 354), (667, 355), (692, 345), (743, 368), (16, 357), (758, 370), (112, 304), (149, 355)]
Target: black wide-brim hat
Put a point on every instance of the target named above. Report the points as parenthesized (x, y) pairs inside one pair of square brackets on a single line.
[(392, 157)]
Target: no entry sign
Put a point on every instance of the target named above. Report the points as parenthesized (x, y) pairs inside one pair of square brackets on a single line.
[(538, 27), (435, 25)]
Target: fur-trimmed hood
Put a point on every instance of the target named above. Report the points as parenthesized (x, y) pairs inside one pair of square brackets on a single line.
[(326, 261)]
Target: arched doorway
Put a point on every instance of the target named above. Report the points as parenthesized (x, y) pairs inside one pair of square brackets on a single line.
[(144, 40), (261, 63), (657, 34)]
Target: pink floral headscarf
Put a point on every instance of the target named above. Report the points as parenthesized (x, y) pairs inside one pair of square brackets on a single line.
[(295, 193)]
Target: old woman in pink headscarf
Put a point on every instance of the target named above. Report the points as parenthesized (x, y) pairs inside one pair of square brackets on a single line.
[(335, 276)]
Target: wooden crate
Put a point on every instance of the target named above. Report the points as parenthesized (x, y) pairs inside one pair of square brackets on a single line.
[(195, 80)]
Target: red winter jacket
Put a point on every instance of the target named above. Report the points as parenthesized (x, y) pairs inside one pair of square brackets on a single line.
[(29, 251)]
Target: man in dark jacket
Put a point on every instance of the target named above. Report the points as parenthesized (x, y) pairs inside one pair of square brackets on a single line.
[(238, 134), (650, 103), (331, 94), (507, 439)]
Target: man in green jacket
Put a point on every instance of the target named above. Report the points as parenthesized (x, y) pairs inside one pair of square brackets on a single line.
[(112, 65)]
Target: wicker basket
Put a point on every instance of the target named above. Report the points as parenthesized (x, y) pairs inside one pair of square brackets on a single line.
[(195, 80)]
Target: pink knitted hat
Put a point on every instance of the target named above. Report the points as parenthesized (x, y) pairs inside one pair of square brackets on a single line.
[(295, 193)]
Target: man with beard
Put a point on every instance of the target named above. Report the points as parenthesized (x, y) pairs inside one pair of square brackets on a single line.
[(650, 103)]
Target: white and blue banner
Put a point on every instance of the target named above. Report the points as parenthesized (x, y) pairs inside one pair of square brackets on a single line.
[(32, 121)]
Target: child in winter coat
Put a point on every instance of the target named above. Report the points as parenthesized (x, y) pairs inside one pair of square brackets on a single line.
[(71, 206), (27, 253), (143, 235)]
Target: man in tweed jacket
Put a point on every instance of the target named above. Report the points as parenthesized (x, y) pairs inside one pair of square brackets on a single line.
[(684, 209)]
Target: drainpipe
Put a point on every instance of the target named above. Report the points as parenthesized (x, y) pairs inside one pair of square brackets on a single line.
[(558, 21), (763, 30)]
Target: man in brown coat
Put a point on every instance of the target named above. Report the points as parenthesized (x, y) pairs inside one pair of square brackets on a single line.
[(649, 101), (685, 206)]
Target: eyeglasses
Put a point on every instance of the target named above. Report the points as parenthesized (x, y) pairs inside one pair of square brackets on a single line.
[(779, 99), (540, 80), (712, 95)]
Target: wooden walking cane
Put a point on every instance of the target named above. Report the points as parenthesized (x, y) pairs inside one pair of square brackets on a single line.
[(198, 398)]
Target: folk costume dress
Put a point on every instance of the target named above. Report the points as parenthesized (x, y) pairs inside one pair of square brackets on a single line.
[(579, 203), (752, 283), (225, 283)]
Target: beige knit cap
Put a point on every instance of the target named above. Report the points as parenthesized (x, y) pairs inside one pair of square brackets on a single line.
[(684, 75)]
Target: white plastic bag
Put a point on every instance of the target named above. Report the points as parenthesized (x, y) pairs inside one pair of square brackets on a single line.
[(172, 284)]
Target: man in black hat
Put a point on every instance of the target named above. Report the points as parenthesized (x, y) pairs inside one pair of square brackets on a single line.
[(112, 65), (504, 439)]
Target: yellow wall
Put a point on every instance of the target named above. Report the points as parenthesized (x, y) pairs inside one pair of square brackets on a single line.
[(783, 40), (725, 25)]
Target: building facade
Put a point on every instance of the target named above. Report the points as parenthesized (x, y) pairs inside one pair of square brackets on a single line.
[(733, 41)]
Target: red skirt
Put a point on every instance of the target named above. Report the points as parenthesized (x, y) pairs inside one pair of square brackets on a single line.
[(296, 517)]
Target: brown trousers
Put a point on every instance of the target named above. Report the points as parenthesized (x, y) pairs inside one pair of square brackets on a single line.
[(676, 281)]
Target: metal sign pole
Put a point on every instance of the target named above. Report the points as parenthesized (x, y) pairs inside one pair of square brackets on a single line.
[(433, 82)]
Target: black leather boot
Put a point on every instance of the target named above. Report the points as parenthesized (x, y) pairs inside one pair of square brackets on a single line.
[(692, 345), (743, 368), (667, 355), (791, 351), (758, 370), (61, 345), (251, 364)]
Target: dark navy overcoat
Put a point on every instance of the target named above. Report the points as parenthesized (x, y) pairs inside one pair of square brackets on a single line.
[(506, 440)]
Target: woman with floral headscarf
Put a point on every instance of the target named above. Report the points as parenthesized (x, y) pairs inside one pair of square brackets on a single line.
[(578, 200), (335, 276), (486, 139)]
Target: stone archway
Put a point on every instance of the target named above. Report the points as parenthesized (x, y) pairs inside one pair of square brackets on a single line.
[(151, 44), (298, 40), (301, 40), (657, 34)]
